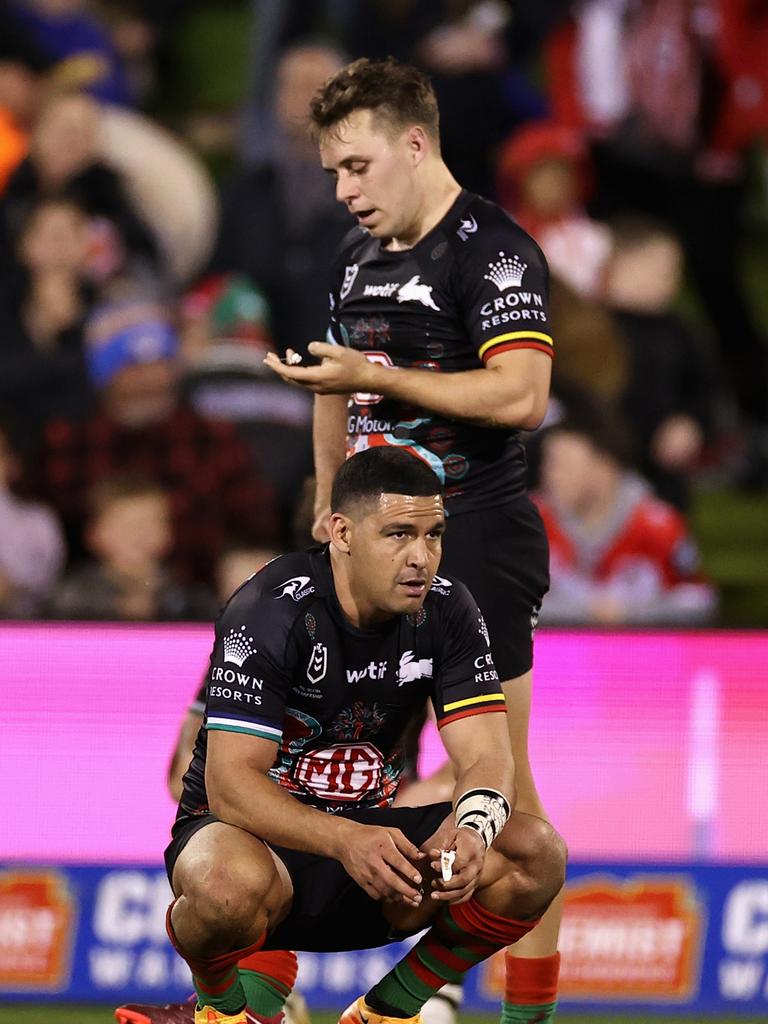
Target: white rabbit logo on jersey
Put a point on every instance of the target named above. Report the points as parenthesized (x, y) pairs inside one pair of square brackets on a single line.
[(410, 669)]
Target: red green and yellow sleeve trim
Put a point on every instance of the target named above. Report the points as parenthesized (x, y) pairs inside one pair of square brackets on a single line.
[(516, 339)]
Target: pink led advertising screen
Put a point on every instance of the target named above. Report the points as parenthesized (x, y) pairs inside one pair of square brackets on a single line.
[(644, 745)]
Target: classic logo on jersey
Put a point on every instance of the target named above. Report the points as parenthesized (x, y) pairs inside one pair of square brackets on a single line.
[(342, 772), (318, 663), (482, 629), (507, 272), (350, 274), (238, 647), (441, 585), (411, 669), (467, 227), (296, 588), (412, 291)]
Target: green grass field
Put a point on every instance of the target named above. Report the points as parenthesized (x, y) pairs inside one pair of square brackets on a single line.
[(103, 1015)]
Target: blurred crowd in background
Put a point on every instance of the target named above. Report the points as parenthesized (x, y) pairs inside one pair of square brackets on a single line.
[(164, 222)]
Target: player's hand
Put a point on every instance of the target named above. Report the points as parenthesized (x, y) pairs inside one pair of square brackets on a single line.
[(382, 860), (341, 370), (470, 858)]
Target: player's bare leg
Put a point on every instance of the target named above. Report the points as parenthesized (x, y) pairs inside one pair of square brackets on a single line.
[(532, 962), (523, 872)]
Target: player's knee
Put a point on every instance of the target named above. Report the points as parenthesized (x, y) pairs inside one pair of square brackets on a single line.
[(230, 896), (537, 856)]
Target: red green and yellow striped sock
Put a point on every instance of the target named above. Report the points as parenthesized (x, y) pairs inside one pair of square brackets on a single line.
[(216, 980), (267, 980), (530, 995), (461, 936)]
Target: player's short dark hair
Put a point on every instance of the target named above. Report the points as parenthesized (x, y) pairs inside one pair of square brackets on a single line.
[(397, 94), (366, 476)]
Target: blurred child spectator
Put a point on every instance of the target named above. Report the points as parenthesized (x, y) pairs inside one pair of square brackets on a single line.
[(669, 398), (32, 548), (618, 555), (65, 159), (225, 337), (44, 300), (129, 534), (142, 426), (542, 178), (292, 201), (237, 563)]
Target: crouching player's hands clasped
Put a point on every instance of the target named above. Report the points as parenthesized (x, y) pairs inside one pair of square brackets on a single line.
[(470, 851)]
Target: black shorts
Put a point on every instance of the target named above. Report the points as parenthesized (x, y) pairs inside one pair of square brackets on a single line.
[(330, 912), (502, 555)]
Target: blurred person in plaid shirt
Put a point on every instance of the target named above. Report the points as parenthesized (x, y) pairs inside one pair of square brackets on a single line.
[(142, 426)]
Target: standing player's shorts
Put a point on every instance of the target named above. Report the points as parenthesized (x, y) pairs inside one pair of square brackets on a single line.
[(502, 555), (330, 912)]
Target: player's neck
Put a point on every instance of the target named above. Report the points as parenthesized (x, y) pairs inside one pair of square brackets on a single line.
[(359, 612), (440, 192)]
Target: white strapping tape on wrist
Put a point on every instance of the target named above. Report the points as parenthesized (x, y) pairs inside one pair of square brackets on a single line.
[(484, 810)]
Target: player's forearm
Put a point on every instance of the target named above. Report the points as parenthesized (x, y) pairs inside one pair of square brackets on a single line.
[(487, 397), (489, 771), (329, 436), (262, 808)]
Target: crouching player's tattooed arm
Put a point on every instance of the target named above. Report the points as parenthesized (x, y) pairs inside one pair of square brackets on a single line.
[(381, 860), (479, 750)]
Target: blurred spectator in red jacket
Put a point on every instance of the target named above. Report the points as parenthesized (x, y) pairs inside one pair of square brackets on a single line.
[(618, 555), (673, 93), (143, 427), (542, 179)]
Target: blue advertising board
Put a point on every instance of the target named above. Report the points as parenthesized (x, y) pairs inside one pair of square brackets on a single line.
[(674, 938)]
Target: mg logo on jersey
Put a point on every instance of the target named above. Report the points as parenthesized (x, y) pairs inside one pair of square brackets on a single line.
[(296, 588), (350, 273), (410, 670), (364, 397), (318, 663), (412, 291), (341, 772)]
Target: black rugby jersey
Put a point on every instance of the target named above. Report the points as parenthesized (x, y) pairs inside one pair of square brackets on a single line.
[(288, 666), (475, 286)]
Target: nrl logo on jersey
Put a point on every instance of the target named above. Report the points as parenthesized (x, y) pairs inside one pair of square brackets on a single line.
[(295, 588), (440, 585), (411, 669), (318, 663), (350, 274)]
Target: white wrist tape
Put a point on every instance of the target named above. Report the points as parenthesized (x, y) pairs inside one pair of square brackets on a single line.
[(484, 810)]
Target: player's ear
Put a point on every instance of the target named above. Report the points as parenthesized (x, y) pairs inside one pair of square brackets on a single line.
[(416, 141), (340, 530)]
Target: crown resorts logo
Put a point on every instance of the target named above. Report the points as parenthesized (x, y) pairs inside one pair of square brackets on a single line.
[(506, 272), (237, 646)]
